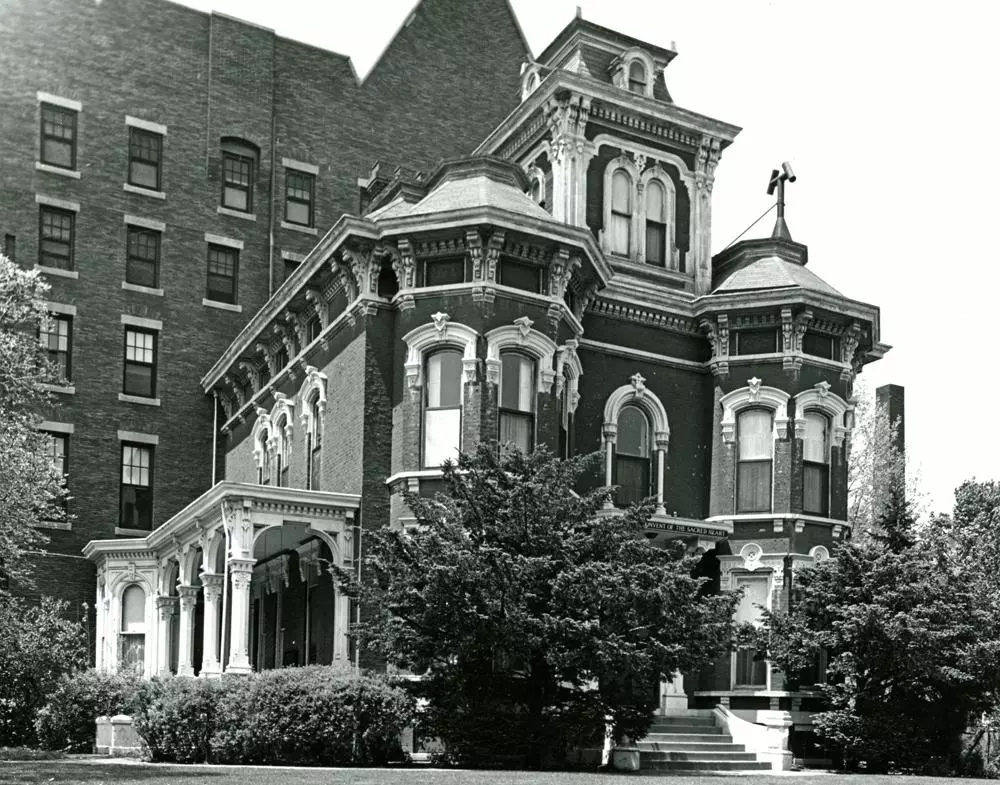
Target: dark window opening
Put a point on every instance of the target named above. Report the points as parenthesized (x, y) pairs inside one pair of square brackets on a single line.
[(57, 340), (55, 238), (223, 268), (136, 487), (754, 342), (299, 196), (142, 265), (10, 247), (58, 136), (637, 77), (818, 345), (521, 276), (290, 267), (145, 152), (140, 363), (444, 271)]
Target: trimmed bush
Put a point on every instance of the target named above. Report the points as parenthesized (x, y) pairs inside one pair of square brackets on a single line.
[(294, 716), (66, 721)]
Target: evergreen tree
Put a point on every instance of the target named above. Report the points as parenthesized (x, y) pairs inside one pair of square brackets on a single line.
[(532, 616)]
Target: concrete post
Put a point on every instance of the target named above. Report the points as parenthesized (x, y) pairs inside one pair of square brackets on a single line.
[(240, 572), (185, 637), (212, 584)]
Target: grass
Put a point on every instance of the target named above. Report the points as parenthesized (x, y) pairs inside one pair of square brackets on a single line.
[(97, 772)]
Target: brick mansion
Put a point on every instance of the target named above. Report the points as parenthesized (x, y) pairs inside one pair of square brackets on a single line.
[(281, 295)]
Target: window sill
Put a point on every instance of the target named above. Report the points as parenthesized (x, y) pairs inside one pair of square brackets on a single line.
[(63, 526), (57, 271), (138, 399), (134, 287), (135, 189), (236, 213), (65, 389), (120, 532), (300, 228), (221, 306), (71, 173)]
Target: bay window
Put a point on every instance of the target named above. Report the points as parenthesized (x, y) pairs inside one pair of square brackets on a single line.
[(443, 407), (755, 452), (517, 401)]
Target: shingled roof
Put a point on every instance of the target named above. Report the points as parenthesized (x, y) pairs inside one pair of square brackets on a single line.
[(772, 272)]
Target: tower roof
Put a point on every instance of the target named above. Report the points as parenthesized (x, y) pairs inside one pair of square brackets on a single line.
[(767, 263)]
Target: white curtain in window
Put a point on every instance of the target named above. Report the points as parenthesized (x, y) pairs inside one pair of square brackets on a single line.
[(754, 594), (814, 443), (756, 439), (444, 379), (442, 435), (134, 609), (621, 212)]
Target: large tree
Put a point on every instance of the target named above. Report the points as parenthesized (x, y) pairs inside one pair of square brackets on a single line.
[(31, 489), (533, 616)]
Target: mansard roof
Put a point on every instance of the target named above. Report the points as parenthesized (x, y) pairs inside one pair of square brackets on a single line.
[(773, 272)]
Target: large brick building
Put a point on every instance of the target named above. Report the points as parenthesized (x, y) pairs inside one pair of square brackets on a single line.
[(537, 270)]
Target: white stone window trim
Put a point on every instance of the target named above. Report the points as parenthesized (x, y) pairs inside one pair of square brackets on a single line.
[(56, 427), (73, 174), (134, 287), (636, 394), (145, 125), (125, 398), (141, 321), (283, 407), (657, 174), (138, 438), (835, 408), (145, 223), (236, 213), (754, 395), (536, 175), (74, 274), (220, 239), (315, 382), (64, 389), (627, 165), (439, 333), (57, 100), (235, 308), (261, 427), (63, 308), (299, 228), (520, 336), (633, 55), (135, 189), (302, 166), (62, 204), (292, 256)]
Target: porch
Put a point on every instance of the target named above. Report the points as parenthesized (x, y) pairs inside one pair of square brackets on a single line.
[(238, 580)]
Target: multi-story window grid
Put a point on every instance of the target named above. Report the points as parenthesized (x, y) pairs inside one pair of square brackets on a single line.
[(756, 448), (137, 487), (517, 401), (223, 268), (145, 156), (55, 237), (299, 192), (142, 265), (237, 188), (56, 337), (140, 363), (58, 147)]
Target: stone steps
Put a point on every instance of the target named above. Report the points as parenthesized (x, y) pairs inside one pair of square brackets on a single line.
[(682, 738), (713, 765), (674, 746), (693, 742), (701, 757)]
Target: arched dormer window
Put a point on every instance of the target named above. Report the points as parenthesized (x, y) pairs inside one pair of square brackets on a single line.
[(518, 390), (239, 164), (635, 424), (816, 465), (620, 226), (442, 426), (530, 79), (132, 654), (536, 177), (633, 455), (637, 77)]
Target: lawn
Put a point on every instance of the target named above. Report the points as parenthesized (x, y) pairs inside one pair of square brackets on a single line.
[(91, 772)]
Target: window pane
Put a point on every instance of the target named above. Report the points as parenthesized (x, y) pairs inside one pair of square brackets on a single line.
[(656, 243), (297, 213), (444, 271), (134, 610), (753, 483), (818, 345), (655, 202), (621, 193), (138, 379), (144, 174), (620, 225), (632, 478), (633, 433), (814, 443), (814, 494), (517, 429), (444, 379), (442, 435), (757, 341), (517, 382), (235, 198), (756, 439), (56, 153), (520, 276)]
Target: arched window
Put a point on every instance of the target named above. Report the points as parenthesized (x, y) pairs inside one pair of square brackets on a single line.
[(314, 443), (517, 400), (281, 458), (133, 628), (443, 407), (264, 467), (632, 456), (621, 212), (656, 224), (815, 465), (753, 476), (637, 78), (536, 190)]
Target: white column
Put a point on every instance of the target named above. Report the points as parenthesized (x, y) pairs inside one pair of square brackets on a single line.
[(166, 607), (185, 636), (240, 572), (212, 584), (610, 437), (661, 466)]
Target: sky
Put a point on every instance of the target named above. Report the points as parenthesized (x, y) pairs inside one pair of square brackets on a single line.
[(883, 109)]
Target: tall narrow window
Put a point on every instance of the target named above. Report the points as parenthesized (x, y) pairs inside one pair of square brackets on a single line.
[(751, 670), (58, 136), (58, 449), (299, 193), (314, 444), (517, 401), (632, 456), (621, 212), (656, 224), (637, 77), (223, 271), (140, 363), (756, 445), (815, 466), (57, 339), (565, 421), (137, 487), (281, 458), (443, 408), (132, 654), (238, 163), (264, 468), (55, 237), (142, 265), (10, 246), (145, 152)]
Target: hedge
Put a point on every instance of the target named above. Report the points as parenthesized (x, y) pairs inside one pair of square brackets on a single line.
[(316, 715), (66, 721)]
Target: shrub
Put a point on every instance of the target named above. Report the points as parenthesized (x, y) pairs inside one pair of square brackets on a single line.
[(66, 721), (294, 716)]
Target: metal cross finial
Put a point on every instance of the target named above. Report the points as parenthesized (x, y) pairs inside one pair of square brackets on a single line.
[(778, 181)]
